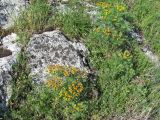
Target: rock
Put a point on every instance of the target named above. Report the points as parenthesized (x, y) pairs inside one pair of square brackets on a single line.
[(51, 48), (6, 68), (146, 49), (9, 9), (151, 55), (58, 1), (139, 38), (62, 6)]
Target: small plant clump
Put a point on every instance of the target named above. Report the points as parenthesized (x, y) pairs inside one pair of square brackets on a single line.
[(32, 20), (70, 85), (110, 25), (72, 78), (75, 23)]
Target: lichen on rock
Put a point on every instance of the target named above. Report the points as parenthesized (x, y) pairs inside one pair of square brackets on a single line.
[(9, 9), (51, 48)]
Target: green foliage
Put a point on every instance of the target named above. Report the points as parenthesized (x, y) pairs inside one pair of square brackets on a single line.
[(75, 23), (39, 105), (72, 89), (44, 103), (64, 96), (128, 82), (110, 25), (21, 85), (147, 15), (120, 64), (33, 19)]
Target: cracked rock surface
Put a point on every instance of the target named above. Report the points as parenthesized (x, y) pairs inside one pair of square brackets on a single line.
[(51, 48)]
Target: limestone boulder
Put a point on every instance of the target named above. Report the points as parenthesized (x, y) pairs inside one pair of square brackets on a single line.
[(51, 48)]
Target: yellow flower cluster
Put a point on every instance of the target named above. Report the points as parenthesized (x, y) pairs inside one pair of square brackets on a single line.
[(107, 12), (67, 96), (73, 70), (55, 83), (67, 71), (107, 31), (74, 90), (54, 68), (107, 6), (126, 54), (71, 90), (103, 4), (77, 107), (120, 8)]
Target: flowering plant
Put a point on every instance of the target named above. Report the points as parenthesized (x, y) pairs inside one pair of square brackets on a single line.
[(111, 24), (70, 86)]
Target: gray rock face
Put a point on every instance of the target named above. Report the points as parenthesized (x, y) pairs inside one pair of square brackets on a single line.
[(51, 48), (5, 69), (9, 9)]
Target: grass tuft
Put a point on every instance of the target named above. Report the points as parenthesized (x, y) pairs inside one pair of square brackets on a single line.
[(33, 19)]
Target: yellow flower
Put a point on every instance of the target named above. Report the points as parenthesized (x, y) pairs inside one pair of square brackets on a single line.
[(79, 87), (107, 12), (49, 83), (120, 8), (75, 88), (74, 70), (103, 4), (66, 73), (55, 83), (107, 31), (54, 68), (126, 54), (67, 96), (78, 107)]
